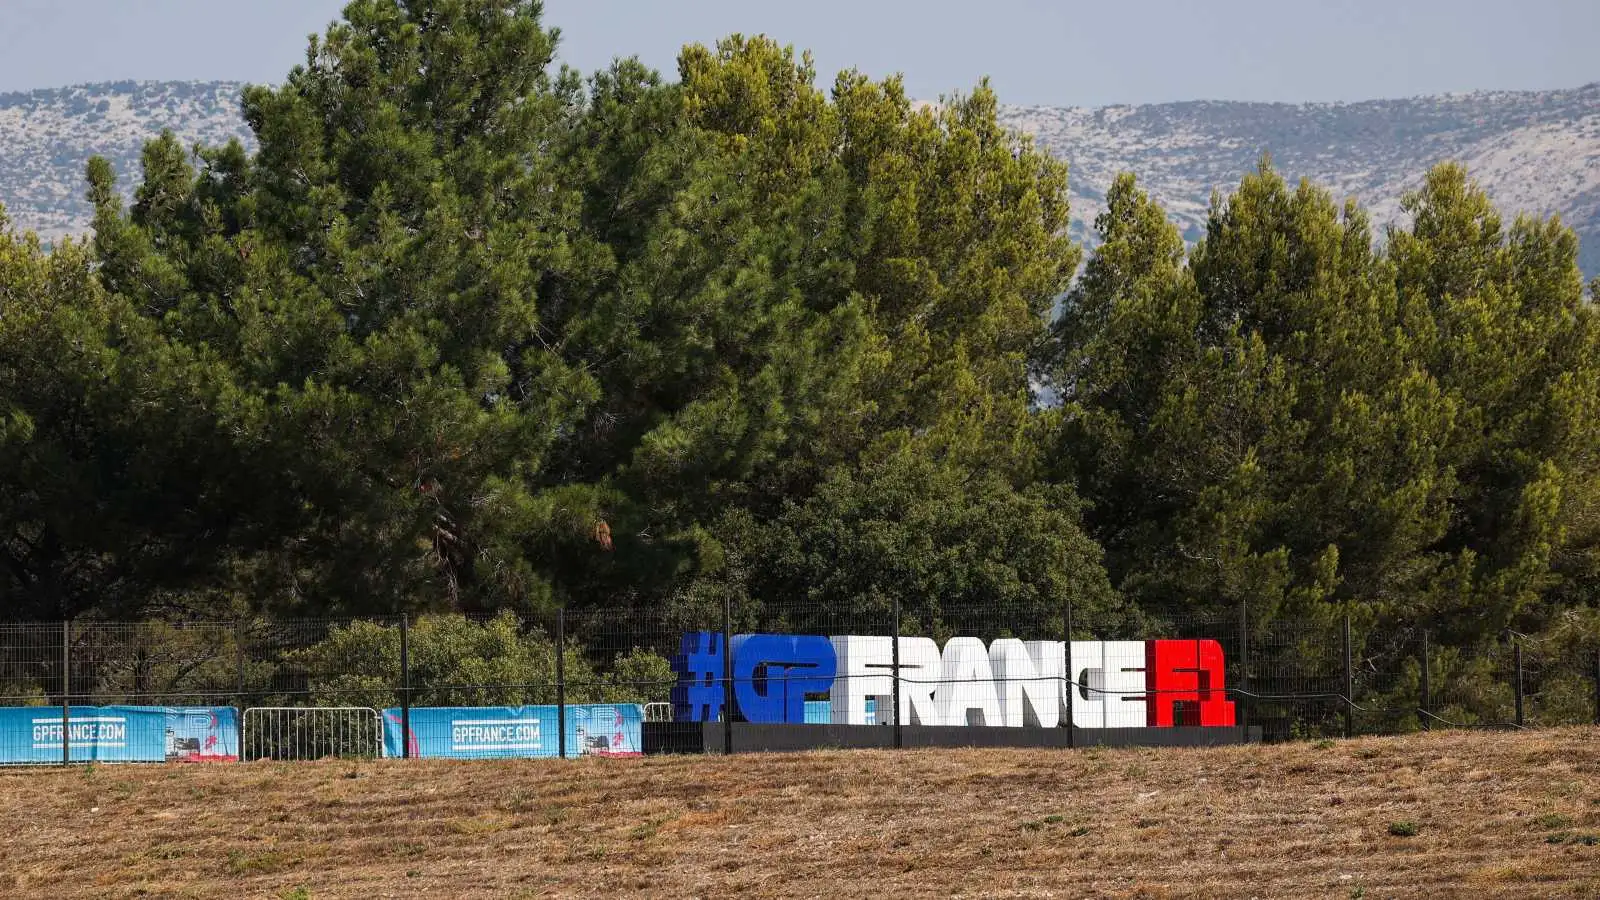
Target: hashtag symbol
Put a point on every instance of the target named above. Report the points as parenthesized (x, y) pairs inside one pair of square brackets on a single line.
[(697, 697)]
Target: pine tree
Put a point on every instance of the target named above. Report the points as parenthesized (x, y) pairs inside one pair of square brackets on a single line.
[(495, 337), (112, 474), (1296, 422), (372, 277)]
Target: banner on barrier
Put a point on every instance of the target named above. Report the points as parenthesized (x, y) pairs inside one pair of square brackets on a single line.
[(33, 734), (515, 732)]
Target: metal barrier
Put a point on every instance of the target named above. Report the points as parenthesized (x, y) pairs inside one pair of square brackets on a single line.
[(658, 712), (298, 733)]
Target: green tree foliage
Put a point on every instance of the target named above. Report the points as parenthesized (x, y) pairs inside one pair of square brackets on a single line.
[(1508, 331), (1293, 420), (459, 662), (798, 286), (962, 553), (906, 260), (114, 480), (371, 278), (493, 338)]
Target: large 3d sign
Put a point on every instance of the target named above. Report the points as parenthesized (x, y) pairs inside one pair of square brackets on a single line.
[(1116, 684)]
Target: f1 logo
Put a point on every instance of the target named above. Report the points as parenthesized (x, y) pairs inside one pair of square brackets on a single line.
[(1186, 684)]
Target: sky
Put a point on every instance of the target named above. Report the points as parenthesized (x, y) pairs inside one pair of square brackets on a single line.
[(1046, 52)]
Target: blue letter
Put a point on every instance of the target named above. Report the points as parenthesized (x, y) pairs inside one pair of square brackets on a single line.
[(773, 673), (697, 697)]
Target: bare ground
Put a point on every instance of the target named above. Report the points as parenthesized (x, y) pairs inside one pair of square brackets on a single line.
[(1494, 815)]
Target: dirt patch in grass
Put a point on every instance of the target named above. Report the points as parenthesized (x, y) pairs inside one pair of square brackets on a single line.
[(1437, 815)]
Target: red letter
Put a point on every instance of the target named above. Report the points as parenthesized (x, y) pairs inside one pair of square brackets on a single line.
[(1186, 677)]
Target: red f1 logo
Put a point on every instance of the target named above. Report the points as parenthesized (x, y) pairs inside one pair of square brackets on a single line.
[(1185, 681)]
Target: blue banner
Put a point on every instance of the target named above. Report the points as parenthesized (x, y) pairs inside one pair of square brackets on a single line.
[(33, 734), (515, 732), (820, 712)]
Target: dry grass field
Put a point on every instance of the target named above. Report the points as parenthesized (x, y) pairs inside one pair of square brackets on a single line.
[(1440, 815)]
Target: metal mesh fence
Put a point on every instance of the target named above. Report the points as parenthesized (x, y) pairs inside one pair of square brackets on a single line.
[(32, 664), (584, 682)]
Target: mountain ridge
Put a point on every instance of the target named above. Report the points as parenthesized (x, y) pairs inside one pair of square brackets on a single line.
[(1533, 151)]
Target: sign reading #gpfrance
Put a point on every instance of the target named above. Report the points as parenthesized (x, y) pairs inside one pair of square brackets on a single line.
[(1118, 684)]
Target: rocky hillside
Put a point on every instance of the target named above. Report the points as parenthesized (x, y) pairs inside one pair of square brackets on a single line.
[(1535, 152), (47, 137)]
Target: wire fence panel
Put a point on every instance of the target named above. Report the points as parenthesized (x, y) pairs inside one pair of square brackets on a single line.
[(1559, 681), (622, 656), (169, 664), (32, 667), (1292, 680), (1472, 689), (586, 681)]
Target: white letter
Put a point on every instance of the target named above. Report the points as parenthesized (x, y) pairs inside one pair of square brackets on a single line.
[(1110, 689), (1125, 685), (1086, 694), (967, 685), (920, 671), (1111, 684), (1029, 677), (863, 672)]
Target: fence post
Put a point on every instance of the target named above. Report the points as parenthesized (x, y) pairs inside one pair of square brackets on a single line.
[(1597, 687), (727, 674), (1072, 675), (66, 691), (1425, 700), (895, 666), (1244, 670), (405, 686), (238, 653), (1349, 682), (1516, 660), (561, 681)]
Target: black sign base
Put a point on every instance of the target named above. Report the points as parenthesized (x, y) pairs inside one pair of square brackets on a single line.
[(708, 737)]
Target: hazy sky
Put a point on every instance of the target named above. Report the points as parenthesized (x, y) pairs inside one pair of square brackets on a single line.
[(1036, 51)]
